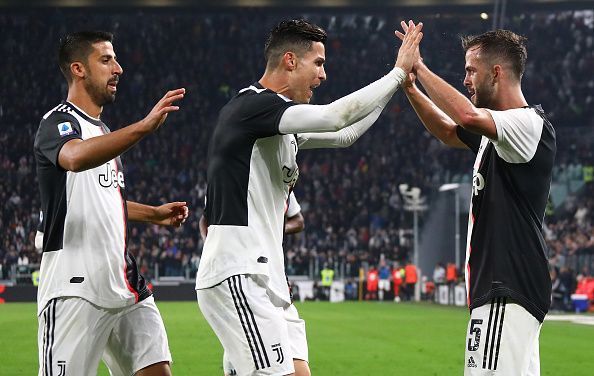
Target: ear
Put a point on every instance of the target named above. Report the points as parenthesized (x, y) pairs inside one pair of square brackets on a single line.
[(78, 70), (497, 73), (290, 60)]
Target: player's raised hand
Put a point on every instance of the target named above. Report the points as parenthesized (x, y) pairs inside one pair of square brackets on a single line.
[(158, 114), (171, 214), (405, 28), (409, 54)]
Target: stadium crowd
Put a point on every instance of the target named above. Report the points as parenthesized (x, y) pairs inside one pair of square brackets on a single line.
[(350, 200)]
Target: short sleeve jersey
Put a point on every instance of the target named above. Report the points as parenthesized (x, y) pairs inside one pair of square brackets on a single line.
[(251, 170), (84, 225), (506, 251)]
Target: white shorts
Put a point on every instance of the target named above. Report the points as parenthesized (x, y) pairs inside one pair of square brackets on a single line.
[(384, 284), (254, 332), (75, 334), (296, 327), (502, 339)]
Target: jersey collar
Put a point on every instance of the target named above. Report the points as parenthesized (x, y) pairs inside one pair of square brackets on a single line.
[(84, 115)]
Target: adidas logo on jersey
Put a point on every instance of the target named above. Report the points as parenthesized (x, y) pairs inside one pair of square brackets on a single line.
[(471, 363)]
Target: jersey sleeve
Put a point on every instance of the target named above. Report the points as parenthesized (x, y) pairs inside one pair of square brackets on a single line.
[(472, 140), (262, 113), (518, 134), (294, 208), (54, 131)]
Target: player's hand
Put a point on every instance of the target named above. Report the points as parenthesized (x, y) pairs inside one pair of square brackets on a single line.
[(409, 84), (171, 214), (409, 53), (158, 114)]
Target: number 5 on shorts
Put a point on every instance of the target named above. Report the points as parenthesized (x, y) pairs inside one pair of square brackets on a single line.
[(476, 331)]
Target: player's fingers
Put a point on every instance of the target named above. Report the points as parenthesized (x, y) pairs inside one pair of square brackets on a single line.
[(169, 100), (404, 26), (399, 35), (166, 110), (418, 38), (174, 92)]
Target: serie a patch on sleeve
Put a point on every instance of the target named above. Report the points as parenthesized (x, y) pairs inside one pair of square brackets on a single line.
[(65, 129)]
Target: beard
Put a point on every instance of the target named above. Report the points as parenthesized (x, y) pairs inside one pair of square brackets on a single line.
[(483, 95), (99, 93)]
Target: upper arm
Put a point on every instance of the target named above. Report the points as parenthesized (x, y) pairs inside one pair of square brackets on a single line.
[(303, 118), (519, 132), (260, 113), (55, 132), (480, 121)]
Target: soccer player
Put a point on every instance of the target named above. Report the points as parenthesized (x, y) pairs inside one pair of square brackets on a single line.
[(241, 286), (384, 279), (507, 278), (92, 301)]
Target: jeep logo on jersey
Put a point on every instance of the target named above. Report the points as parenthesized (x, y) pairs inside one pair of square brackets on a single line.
[(111, 178), (290, 176), (478, 183)]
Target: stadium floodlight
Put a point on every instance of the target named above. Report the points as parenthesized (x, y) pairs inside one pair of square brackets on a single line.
[(455, 187)]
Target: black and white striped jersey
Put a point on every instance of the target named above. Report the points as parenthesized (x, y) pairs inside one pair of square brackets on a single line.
[(251, 170), (506, 251), (84, 225)]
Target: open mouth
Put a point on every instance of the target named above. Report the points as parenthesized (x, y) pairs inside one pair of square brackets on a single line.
[(113, 84)]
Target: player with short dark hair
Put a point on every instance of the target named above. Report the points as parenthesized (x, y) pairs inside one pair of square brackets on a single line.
[(92, 301), (507, 278), (241, 285)]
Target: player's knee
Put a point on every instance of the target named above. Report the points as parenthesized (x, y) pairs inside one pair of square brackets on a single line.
[(157, 369), (301, 368)]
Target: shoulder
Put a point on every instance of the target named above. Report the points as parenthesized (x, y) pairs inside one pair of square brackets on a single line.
[(62, 113), (261, 95)]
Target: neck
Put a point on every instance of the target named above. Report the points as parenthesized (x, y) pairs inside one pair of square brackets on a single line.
[(277, 82), (510, 96), (78, 96)]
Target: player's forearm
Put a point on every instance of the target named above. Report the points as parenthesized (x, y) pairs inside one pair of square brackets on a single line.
[(140, 212), (435, 120), (294, 224), (344, 137), (447, 98), (80, 155), (342, 112)]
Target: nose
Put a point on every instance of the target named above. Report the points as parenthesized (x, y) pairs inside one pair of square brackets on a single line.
[(118, 69), (322, 74), (467, 81)]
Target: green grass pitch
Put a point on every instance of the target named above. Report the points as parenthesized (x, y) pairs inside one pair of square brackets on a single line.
[(344, 339)]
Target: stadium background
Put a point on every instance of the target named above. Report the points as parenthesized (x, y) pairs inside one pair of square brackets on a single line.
[(354, 211)]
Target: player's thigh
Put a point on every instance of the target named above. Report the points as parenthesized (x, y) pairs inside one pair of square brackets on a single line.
[(138, 340), (251, 329), (72, 335), (297, 336), (501, 339)]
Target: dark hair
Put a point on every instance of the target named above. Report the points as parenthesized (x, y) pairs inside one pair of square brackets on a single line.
[(77, 47), (292, 35), (501, 44)]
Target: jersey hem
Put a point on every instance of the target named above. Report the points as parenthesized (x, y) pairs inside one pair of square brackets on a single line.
[(529, 306), (93, 300)]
